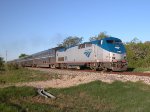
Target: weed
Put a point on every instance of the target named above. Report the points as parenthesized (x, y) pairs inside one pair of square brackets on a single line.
[(92, 97), (24, 75)]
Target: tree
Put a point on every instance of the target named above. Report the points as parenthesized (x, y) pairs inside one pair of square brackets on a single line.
[(101, 35), (138, 53), (135, 40), (1, 63), (23, 55), (71, 41), (147, 42)]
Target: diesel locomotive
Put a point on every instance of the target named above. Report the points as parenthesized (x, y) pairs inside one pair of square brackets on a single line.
[(105, 54)]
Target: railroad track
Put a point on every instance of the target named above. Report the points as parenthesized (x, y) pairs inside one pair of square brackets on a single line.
[(121, 73), (73, 77), (109, 72), (132, 73)]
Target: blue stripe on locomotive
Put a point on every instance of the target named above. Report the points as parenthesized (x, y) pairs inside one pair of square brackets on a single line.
[(110, 47), (106, 46)]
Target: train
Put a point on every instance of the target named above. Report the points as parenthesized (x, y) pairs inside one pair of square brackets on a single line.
[(104, 54)]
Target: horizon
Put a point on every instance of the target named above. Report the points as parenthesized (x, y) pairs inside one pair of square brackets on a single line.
[(33, 26)]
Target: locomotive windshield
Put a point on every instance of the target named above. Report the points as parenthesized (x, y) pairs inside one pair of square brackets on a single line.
[(113, 41), (113, 45)]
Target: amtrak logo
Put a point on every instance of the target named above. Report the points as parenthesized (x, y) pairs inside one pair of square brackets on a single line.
[(88, 52)]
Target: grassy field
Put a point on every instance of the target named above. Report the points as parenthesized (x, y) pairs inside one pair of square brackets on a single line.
[(141, 69), (92, 97), (24, 75)]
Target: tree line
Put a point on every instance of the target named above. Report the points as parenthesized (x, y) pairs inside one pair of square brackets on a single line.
[(74, 40)]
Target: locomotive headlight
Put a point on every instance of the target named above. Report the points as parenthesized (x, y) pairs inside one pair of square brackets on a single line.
[(125, 56), (113, 57)]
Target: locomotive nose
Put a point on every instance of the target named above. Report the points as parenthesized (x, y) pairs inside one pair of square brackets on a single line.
[(117, 57)]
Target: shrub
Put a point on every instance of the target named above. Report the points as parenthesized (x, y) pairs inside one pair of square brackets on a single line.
[(1, 63), (11, 66), (138, 54)]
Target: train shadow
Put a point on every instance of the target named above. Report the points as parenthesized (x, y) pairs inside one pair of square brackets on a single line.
[(130, 69)]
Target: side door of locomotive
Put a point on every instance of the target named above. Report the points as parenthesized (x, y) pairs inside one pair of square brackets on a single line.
[(99, 52), (105, 52)]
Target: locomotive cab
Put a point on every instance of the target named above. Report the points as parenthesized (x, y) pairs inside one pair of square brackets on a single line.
[(116, 53)]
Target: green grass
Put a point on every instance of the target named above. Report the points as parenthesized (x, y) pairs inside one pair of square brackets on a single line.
[(24, 75), (92, 97), (141, 69)]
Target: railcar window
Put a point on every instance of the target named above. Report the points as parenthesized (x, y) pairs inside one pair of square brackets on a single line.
[(81, 46), (88, 45), (60, 58)]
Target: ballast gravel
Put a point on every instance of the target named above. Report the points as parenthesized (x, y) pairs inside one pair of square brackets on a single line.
[(73, 78)]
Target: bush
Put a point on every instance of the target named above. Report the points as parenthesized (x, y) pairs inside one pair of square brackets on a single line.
[(138, 54), (12, 66), (1, 63)]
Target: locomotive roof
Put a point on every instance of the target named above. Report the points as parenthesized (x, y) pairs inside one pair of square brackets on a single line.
[(97, 43), (63, 48)]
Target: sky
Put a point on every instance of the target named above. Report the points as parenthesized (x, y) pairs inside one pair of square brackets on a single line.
[(30, 26)]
